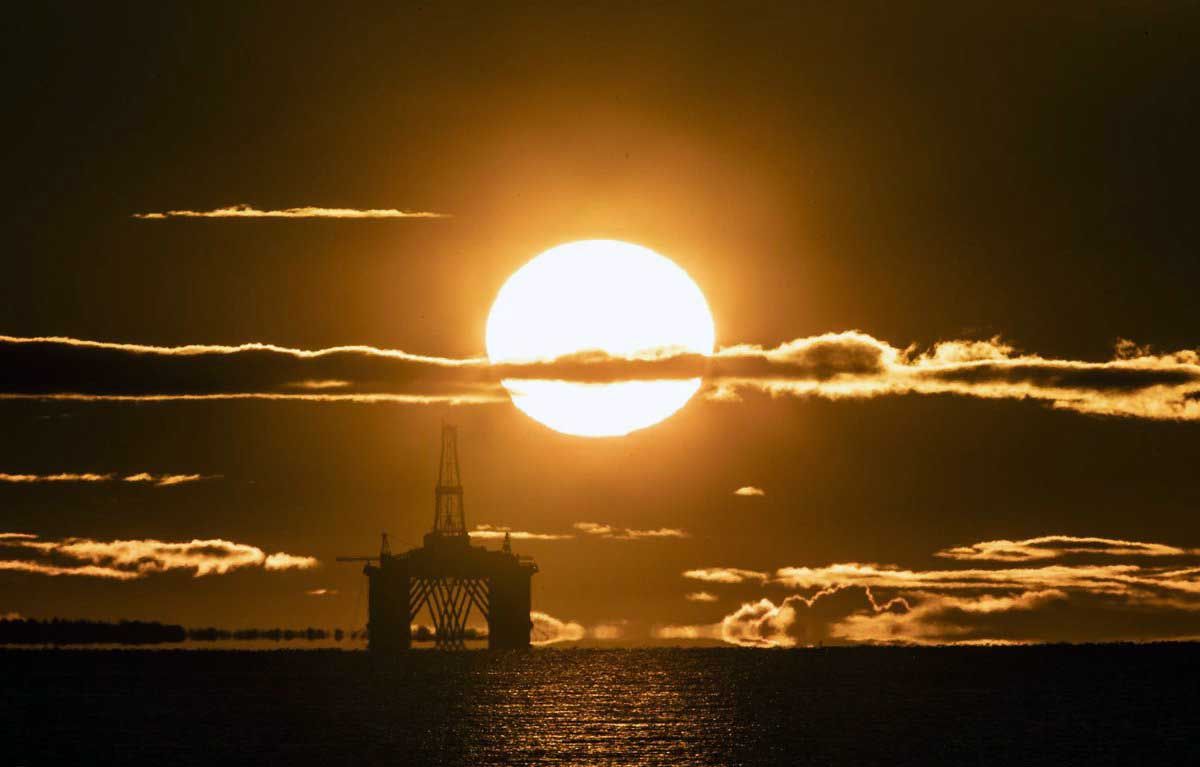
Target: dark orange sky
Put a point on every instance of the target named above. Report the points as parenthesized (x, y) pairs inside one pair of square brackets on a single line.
[(953, 174)]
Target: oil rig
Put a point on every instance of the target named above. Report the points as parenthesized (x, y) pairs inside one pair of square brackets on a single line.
[(449, 577)]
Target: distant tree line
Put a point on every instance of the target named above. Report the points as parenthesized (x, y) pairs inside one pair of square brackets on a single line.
[(60, 631), (275, 635)]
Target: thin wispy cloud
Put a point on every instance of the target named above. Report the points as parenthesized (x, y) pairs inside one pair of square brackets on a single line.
[(1109, 591), (494, 532), (586, 529), (157, 480), (599, 530), (26, 479), (1057, 547), (86, 571), (306, 211), (1136, 383), (75, 369), (133, 559), (726, 575), (750, 491), (700, 596)]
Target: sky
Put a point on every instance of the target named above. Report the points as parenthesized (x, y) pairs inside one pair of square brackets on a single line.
[(950, 252)]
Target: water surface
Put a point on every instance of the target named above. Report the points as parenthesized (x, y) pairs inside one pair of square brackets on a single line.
[(1040, 705)]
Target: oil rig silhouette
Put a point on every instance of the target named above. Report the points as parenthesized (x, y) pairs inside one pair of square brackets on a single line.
[(449, 577)]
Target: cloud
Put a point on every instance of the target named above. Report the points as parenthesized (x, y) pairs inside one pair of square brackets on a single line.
[(800, 620), (592, 529), (712, 631), (67, 368), (88, 571), (132, 559), (1123, 578), (608, 631), (308, 211), (321, 592), (549, 630), (700, 596), (166, 480), (750, 491), (1091, 589), (599, 530), (158, 480), (282, 561), (62, 477), (726, 575), (1057, 547), (1136, 383), (493, 532), (941, 619)]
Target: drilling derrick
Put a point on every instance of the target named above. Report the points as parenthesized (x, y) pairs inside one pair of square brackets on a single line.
[(448, 512), (448, 578)]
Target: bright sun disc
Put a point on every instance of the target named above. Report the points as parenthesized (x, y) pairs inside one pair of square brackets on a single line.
[(602, 295)]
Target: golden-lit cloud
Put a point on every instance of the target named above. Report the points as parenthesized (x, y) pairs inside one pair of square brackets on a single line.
[(949, 619), (158, 480), (321, 592), (1107, 578), (588, 529), (1102, 588), (282, 561), (307, 211), (549, 630), (712, 631), (165, 480), (607, 631), (494, 532), (750, 491), (1058, 546), (700, 596), (60, 477), (726, 575), (87, 571), (600, 530), (131, 559), (82, 370), (1137, 382), (800, 620)]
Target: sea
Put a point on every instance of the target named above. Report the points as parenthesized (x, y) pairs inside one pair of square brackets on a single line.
[(1053, 705)]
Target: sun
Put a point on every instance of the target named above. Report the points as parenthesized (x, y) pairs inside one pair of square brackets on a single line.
[(602, 295)]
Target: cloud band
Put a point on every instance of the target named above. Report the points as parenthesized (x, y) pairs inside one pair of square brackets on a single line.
[(1090, 591), (307, 211), (133, 559), (1135, 383)]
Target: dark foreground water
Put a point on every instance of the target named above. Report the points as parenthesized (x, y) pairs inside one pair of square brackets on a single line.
[(971, 706)]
